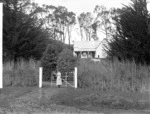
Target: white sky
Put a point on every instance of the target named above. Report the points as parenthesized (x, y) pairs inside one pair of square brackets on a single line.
[(79, 6)]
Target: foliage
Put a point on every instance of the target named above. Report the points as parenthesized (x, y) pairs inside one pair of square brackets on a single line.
[(122, 76), (103, 21), (100, 21), (59, 20), (49, 60), (25, 73), (85, 22), (50, 57), (66, 61), (132, 38), (23, 35)]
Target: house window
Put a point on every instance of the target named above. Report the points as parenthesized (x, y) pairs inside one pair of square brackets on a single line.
[(84, 55), (78, 54), (90, 54)]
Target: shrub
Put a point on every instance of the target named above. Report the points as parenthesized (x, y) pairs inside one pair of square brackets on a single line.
[(24, 74), (66, 61), (112, 75), (49, 60)]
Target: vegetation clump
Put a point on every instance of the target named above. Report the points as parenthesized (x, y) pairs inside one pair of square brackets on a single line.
[(116, 75), (24, 74)]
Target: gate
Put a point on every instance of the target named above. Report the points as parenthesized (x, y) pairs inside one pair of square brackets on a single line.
[(69, 79)]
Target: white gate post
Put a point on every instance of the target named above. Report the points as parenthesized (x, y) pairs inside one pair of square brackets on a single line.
[(1, 45), (40, 77), (75, 77)]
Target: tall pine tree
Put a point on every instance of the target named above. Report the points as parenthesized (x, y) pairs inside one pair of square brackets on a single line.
[(132, 38), (23, 34)]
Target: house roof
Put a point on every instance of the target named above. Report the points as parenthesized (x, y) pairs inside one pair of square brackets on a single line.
[(86, 45)]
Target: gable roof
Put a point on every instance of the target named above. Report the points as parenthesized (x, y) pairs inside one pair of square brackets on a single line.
[(86, 45)]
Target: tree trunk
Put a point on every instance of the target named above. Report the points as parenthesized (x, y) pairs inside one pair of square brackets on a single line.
[(63, 35), (81, 34), (69, 36)]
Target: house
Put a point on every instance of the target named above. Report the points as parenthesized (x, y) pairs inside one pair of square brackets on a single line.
[(89, 49)]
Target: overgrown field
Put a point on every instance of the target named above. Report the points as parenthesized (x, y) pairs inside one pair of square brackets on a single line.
[(20, 74), (105, 75)]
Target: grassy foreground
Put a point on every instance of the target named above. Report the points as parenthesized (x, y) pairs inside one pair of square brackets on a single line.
[(103, 100), (10, 93), (17, 100)]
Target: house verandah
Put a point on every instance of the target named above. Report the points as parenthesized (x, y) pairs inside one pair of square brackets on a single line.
[(85, 54), (88, 49)]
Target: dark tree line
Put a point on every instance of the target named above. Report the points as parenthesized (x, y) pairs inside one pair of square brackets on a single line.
[(25, 33), (132, 38)]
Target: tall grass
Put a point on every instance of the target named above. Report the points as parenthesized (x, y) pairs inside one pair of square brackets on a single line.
[(124, 76), (21, 74)]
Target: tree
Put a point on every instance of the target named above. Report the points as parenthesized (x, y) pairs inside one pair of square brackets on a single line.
[(49, 60), (23, 35), (59, 20), (132, 38), (66, 61), (71, 20), (103, 21), (85, 22), (99, 21), (51, 56)]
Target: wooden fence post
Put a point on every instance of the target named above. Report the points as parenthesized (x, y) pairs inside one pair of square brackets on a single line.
[(40, 77), (1, 45), (75, 78)]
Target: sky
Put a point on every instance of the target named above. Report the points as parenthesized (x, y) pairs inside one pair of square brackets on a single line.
[(79, 6)]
